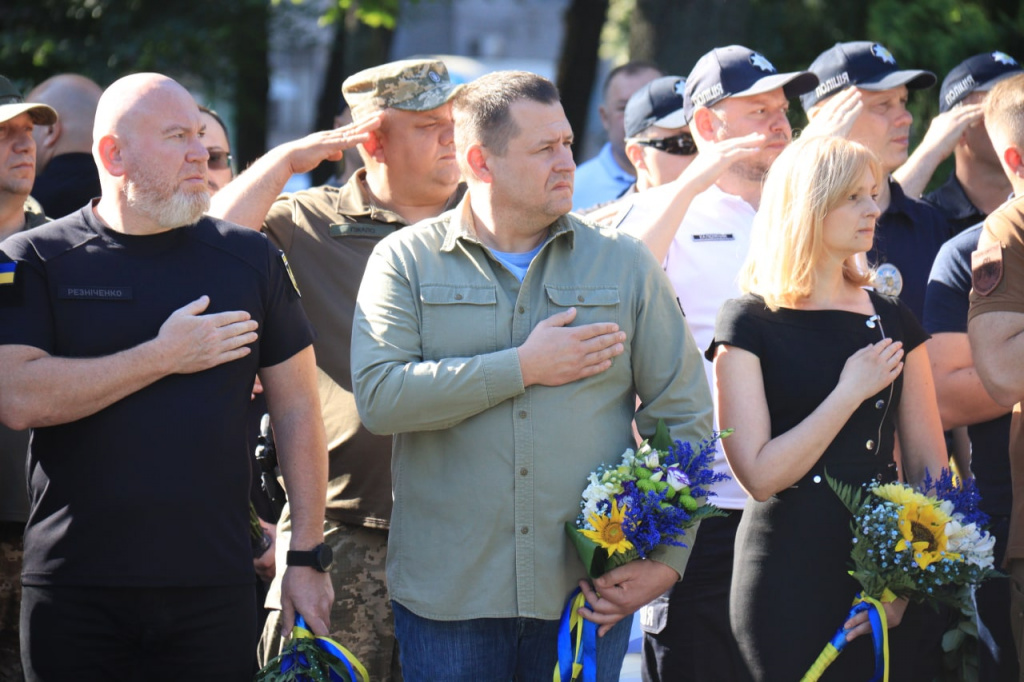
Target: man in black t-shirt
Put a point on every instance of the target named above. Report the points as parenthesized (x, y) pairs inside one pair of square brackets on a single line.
[(130, 335)]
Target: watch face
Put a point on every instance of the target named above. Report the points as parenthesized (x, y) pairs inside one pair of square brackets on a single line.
[(324, 557)]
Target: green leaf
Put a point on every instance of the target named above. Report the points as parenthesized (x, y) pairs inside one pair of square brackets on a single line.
[(662, 440), (952, 640), (851, 496), (593, 556)]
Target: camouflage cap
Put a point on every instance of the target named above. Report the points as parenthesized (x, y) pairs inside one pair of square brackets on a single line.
[(411, 85), (13, 104)]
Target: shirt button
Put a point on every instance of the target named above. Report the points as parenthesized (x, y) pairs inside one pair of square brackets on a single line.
[(880, 404), (580, 298), (458, 297), (870, 445), (522, 310), (524, 530), (524, 471), (522, 414)]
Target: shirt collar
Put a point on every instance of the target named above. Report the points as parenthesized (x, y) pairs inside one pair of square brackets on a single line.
[(354, 200), (460, 226), (952, 199), (611, 167), (898, 201)]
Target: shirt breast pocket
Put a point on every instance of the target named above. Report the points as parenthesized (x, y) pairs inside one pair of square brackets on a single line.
[(592, 303), (459, 320)]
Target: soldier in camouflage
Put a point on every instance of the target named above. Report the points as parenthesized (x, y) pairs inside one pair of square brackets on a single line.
[(403, 124)]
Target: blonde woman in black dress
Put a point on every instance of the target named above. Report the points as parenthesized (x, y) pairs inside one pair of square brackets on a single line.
[(816, 373)]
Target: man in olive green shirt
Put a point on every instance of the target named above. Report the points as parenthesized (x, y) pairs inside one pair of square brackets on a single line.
[(505, 344)]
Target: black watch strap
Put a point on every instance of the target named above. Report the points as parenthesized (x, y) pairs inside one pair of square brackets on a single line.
[(320, 557)]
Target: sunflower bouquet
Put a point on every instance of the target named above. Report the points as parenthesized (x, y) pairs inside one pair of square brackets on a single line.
[(650, 498), (928, 546)]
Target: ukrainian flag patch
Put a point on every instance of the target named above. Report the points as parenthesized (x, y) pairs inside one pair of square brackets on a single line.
[(7, 273)]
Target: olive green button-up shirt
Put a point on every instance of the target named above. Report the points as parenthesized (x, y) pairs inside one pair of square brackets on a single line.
[(485, 472)]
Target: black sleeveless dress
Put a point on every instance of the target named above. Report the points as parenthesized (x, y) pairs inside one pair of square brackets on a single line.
[(790, 588)]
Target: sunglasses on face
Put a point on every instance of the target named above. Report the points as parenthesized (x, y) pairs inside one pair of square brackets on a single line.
[(219, 160), (679, 145)]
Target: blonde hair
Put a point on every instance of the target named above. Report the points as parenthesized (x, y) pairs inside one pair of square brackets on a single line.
[(1004, 111), (809, 179)]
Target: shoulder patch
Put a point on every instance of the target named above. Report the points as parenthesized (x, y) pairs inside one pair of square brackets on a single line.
[(7, 273), (10, 284), (288, 269), (987, 269)]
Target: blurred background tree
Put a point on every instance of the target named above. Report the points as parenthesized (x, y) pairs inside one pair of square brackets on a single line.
[(218, 48)]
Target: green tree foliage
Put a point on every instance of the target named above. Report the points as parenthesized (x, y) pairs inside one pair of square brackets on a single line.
[(214, 48), (373, 13), (936, 35), (105, 39)]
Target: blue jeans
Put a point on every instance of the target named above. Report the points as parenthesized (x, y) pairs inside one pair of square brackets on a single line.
[(493, 649)]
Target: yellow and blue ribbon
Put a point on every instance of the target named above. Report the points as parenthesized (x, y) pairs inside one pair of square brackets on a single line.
[(304, 671), (577, 643), (879, 633)]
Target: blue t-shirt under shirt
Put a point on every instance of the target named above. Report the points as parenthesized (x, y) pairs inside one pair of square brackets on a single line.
[(517, 263)]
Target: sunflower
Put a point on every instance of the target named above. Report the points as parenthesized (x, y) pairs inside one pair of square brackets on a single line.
[(608, 532), (922, 524)]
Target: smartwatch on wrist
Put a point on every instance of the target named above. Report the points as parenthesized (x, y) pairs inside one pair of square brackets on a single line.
[(320, 557)]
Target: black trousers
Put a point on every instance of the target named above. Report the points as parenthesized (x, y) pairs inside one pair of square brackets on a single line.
[(687, 636), (132, 634)]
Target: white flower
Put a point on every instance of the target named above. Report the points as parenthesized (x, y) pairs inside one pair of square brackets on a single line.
[(975, 545), (677, 478), (652, 461)]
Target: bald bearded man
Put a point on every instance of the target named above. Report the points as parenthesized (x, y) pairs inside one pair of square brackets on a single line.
[(136, 382)]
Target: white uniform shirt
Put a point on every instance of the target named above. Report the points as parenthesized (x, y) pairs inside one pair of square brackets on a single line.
[(702, 263)]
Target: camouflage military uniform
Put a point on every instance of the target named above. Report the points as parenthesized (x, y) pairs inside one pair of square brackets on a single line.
[(361, 618), (410, 85), (328, 234), (13, 514)]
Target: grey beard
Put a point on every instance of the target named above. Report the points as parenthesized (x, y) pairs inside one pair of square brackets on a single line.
[(178, 209)]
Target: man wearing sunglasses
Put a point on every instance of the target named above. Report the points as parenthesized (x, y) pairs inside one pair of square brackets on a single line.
[(658, 144), (403, 124), (735, 103), (220, 166)]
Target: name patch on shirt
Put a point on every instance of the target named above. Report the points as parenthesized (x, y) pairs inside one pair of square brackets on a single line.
[(714, 237), (360, 230), (94, 293)]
